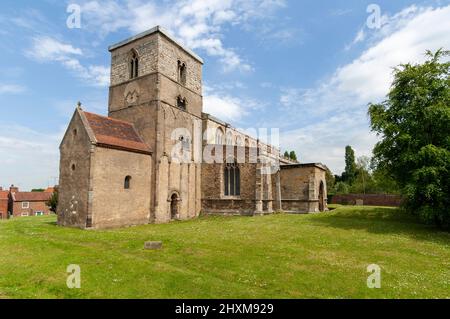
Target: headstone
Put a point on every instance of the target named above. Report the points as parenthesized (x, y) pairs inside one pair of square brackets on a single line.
[(153, 245), (359, 202)]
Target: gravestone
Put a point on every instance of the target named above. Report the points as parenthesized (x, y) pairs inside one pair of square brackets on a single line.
[(152, 245)]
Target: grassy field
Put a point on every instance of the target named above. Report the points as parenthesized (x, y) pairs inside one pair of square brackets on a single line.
[(277, 256)]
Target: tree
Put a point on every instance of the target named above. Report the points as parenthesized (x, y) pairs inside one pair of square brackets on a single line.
[(330, 179), (350, 166), (413, 124), (293, 156), (53, 201), (286, 154), (37, 190)]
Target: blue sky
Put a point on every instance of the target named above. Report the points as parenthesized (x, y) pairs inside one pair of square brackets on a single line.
[(308, 68)]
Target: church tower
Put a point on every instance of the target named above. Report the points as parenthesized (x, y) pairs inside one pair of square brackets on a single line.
[(156, 84)]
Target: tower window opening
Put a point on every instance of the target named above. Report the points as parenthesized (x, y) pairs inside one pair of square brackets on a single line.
[(181, 103), (134, 65), (181, 72)]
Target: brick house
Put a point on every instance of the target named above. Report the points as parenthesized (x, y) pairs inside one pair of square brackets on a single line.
[(4, 203), (28, 203)]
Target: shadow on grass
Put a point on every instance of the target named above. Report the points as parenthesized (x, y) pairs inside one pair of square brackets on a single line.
[(381, 220)]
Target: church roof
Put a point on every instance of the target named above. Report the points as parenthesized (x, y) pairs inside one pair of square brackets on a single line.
[(117, 134)]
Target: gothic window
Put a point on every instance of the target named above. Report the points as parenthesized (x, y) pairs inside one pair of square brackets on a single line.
[(127, 183), (232, 180), (239, 141), (181, 103), (229, 138), (134, 65), (219, 137), (181, 72)]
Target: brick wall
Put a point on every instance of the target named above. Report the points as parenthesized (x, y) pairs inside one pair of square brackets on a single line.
[(3, 208), (31, 210), (368, 199)]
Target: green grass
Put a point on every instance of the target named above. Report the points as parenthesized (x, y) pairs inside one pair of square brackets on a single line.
[(278, 256)]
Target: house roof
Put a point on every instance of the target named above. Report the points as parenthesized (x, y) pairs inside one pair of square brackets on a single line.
[(4, 195), (31, 196), (117, 134)]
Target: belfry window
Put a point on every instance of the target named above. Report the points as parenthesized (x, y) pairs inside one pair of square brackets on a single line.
[(181, 103), (127, 182), (134, 65), (232, 180), (181, 72)]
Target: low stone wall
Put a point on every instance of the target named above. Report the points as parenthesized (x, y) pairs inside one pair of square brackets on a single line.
[(367, 200)]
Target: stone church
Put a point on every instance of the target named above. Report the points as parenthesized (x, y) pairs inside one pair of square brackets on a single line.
[(157, 157)]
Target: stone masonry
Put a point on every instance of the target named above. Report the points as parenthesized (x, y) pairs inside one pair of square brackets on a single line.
[(125, 169)]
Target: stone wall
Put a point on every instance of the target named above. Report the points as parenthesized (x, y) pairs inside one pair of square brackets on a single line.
[(300, 188), (112, 204), (367, 199), (147, 51), (74, 173), (169, 54), (256, 195)]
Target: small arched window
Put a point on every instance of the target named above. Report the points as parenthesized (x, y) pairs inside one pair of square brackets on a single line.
[(219, 136), (127, 183), (232, 180), (134, 65), (181, 103), (181, 72)]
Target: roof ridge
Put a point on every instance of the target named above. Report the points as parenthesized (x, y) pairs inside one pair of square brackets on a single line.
[(108, 117)]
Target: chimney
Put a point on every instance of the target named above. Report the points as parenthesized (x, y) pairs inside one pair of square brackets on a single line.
[(14, 189), (1, 188)]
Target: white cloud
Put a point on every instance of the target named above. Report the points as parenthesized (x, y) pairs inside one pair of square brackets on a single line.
[(199, 24), (226, 108), (47, 49), (403, 38), (11, 88), (24, 152)]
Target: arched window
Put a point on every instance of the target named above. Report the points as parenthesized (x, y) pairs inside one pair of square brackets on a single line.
[(181, 72), (219, 136), (232, 180), (127, 183), (181, 103), (239, 141), (134, 65), (229, 138)]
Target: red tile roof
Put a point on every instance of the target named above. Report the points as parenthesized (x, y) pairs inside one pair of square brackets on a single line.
[(31, 196), (4, 195), (117, 134)]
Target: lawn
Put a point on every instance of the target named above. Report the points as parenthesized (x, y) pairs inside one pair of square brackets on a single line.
[(278, 256)]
